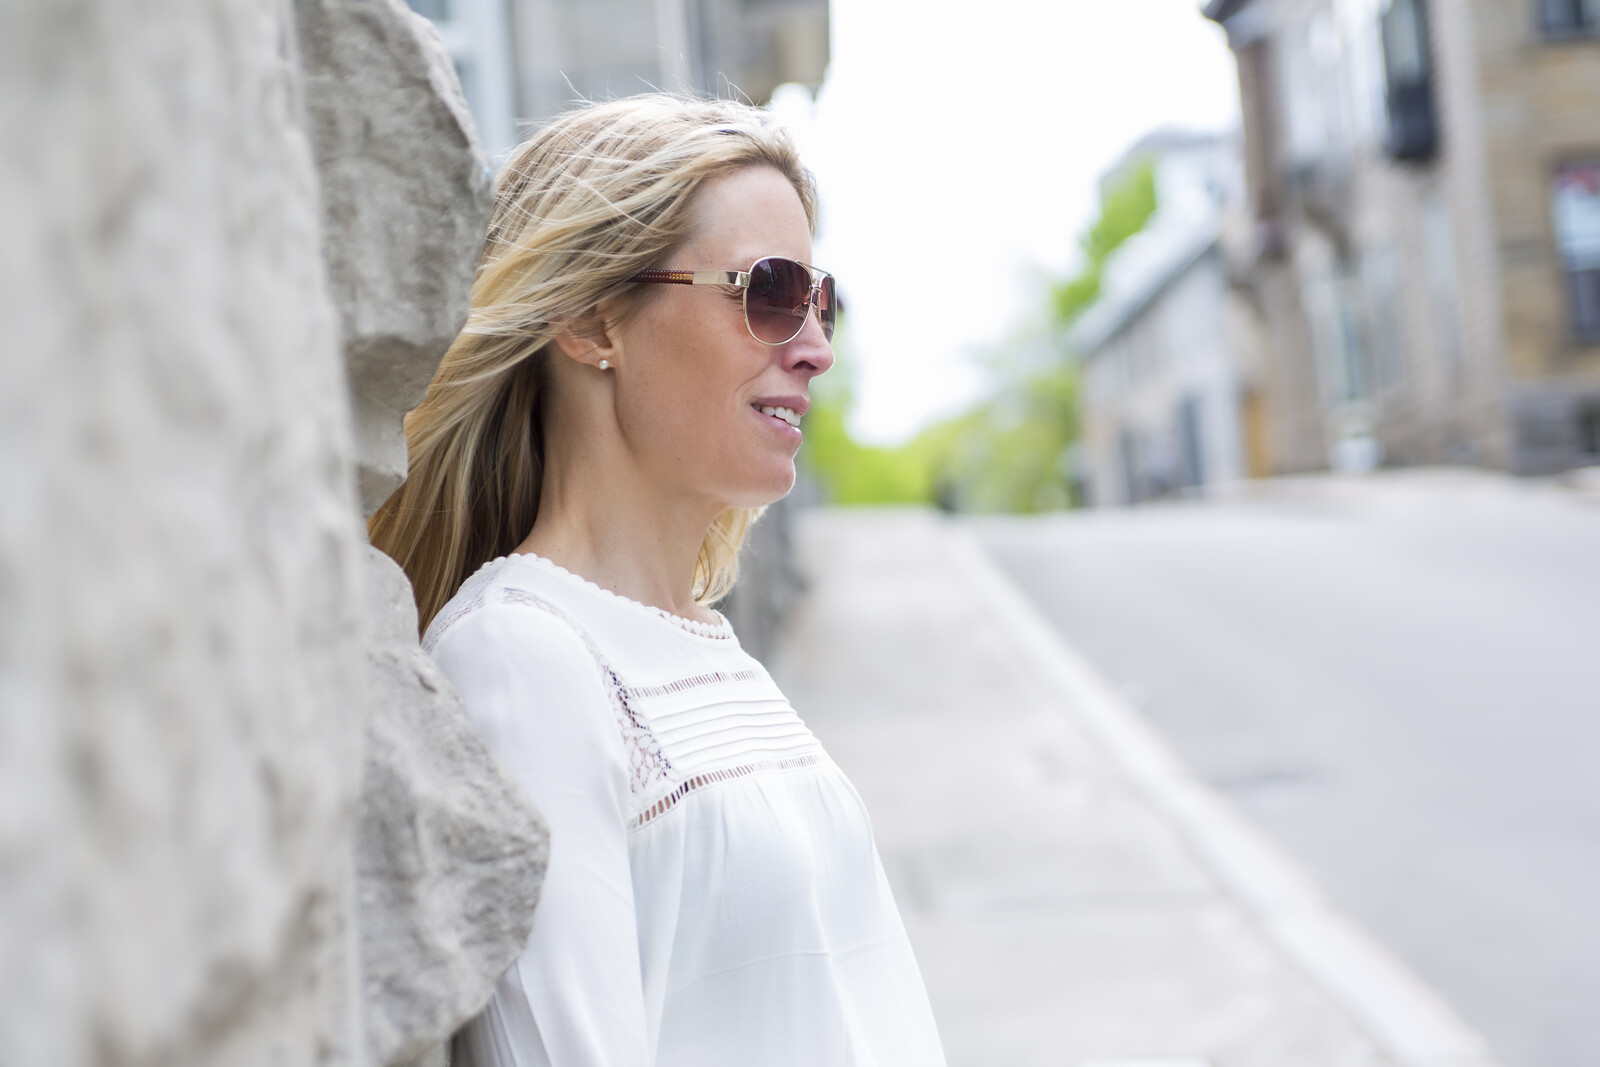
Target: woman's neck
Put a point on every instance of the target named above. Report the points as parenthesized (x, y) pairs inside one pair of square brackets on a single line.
[(613, 528)]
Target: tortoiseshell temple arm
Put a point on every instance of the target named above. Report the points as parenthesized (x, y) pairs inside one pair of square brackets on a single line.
[(741, 278)]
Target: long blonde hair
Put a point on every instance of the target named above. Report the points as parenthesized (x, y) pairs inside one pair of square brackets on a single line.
[(595, 196)]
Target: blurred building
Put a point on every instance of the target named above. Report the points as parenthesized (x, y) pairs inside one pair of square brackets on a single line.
[(1172, 383), (597, 49), (1424, 248), (522, 61), (477, 34)]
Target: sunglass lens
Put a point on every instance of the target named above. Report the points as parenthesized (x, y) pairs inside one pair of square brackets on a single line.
[(827, 306), (775, 303)]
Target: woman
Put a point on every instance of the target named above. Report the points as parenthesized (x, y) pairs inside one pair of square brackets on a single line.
[(623, 401)]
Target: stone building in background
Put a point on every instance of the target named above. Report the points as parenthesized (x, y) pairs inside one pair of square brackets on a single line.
[(242, 818), (1424, 254), (598, 49), (1172, 376), (523, 61)]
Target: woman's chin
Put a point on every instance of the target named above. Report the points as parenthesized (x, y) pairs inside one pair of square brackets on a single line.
[(773, 485)]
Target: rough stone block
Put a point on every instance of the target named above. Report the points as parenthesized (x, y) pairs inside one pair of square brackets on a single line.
[(180, 650), (187, 670), (406, 195), (449, 856)]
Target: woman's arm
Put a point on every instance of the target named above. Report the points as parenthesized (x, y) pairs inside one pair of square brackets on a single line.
[(535, 693)]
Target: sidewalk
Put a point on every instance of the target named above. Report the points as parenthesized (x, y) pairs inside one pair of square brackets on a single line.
[(1075, 898)]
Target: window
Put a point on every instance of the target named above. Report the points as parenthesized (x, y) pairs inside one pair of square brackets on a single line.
[(1305, 122), (1191, 454), (478, 37), (1575, 213), (1589, 430), (1380, 279), (1408, 78), (1131, 457), (437, 10), (1569, 18), (1332, 304), (1439, 252), (1405, 42)]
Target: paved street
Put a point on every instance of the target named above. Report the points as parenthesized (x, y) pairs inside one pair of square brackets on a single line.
[(1399, 681), (1074, 897)]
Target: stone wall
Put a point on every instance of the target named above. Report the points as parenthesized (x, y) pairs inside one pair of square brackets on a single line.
[(1538, 99), (241, 818)]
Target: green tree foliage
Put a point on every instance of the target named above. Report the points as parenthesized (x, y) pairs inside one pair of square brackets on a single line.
[(1072, 296), (854, 473), (1006, 454), (1013, 451), (1125, 208)]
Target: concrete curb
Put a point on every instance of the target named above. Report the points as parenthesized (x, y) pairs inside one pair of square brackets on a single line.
[(1406, 1020)]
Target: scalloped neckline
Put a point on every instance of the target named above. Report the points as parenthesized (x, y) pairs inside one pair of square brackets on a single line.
[(718, 631)]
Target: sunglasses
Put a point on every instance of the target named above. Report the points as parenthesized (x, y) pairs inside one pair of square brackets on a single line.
[(778, 295)]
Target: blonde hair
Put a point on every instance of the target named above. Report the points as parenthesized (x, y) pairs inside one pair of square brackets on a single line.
[(597, 195)]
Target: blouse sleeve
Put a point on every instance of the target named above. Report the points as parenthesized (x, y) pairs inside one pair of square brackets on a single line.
[(535, 693)]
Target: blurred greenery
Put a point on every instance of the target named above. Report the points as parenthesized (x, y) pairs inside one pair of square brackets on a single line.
[(854, 473), (1014, 451), (1125, 207)]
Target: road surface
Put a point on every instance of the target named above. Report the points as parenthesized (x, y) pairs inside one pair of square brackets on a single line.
[(1399, 681)]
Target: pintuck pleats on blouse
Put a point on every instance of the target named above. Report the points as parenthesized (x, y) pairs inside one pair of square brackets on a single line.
[(714, 895)]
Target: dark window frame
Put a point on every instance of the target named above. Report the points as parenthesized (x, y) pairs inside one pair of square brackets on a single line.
[(1580, 285), (1410, 109), (1588, 419), (1574, 20), (1583, 295)]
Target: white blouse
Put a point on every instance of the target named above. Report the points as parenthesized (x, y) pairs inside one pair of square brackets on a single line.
[(714, 895)]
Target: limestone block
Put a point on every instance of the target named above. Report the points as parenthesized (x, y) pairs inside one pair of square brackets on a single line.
[(449, 856), (406, 195), (181, 661)]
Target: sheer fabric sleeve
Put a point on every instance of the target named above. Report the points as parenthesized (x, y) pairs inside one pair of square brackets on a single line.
[(535, 693)]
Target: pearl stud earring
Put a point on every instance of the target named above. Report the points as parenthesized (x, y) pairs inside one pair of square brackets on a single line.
[(605, 364)]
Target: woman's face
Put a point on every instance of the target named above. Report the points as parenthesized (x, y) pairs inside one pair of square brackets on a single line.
[(691, 381)]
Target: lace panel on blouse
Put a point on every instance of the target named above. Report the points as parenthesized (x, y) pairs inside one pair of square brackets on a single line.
[(648, 766), (654, 786)]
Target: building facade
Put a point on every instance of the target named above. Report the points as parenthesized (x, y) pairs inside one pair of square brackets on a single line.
[(1424, 247), (477, 36), (521, 62), (598, 49), (1172, 380)]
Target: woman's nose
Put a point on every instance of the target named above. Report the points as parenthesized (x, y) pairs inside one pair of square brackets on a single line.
[(810, 351)]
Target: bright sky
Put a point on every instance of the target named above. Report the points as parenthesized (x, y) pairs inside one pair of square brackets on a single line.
[(957, 146)]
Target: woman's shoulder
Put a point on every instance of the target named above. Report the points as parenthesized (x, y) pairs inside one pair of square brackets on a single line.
[(503, 648), (498, 603)]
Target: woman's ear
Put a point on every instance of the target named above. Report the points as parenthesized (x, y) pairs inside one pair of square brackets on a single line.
[(591, 342)]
